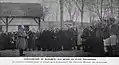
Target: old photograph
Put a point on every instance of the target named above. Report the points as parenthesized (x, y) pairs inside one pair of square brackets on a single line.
[(59, 28)]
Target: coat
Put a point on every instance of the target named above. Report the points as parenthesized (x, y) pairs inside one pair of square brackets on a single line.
[(21, 40), (112, 40)]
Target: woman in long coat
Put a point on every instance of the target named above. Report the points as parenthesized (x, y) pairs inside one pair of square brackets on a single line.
[(21, 41)]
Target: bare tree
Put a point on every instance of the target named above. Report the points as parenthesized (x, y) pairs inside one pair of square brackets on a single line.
[(80, 5), (117, 7), (61, 13), (102, 8), (72, 11)]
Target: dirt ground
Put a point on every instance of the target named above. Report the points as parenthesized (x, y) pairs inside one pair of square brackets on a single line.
[(15, 53)]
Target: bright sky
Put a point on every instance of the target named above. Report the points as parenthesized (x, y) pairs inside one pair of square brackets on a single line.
[(52, 7)]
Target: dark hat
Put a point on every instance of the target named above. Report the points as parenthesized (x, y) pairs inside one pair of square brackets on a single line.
[(112, 19)]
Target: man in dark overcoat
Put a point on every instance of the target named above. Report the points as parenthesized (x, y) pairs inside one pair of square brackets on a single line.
[(21, 40)]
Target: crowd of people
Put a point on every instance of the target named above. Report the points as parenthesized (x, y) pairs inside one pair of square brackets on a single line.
[(47, 40), (100, 39), (6, 41)]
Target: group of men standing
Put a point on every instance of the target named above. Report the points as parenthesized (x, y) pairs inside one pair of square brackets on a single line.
[(101, 39), (57, 40), (48, 40)]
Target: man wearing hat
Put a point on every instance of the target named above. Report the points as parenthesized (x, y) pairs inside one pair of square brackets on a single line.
[(21, 40)]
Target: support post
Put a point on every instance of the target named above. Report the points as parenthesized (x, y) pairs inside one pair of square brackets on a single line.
[(39, 21), (7, 24)]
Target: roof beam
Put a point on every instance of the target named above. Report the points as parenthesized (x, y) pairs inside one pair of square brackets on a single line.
[(10, 20), (17, 25), (20, 16), (3, 20), (36, 20)]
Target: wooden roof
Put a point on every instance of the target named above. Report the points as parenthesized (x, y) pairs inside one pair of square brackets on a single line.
[(21, 10)]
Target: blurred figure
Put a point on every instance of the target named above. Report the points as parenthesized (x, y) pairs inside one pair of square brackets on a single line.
[(110, 45), (30, 41), (92, 43), (21, 40)]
